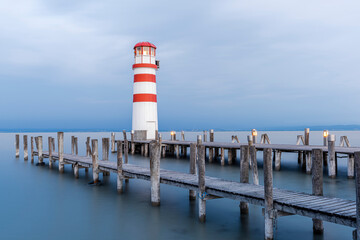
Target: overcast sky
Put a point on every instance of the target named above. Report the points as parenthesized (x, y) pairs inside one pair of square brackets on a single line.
[(224, 64)]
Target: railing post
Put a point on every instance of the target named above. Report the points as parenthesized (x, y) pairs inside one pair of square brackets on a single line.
[(60, 136), (331, 156), (95, 157), (112, 142)]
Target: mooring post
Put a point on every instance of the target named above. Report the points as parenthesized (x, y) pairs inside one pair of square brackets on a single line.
[(105, 152), (211, 150), (72, 145), (307, 154), (26, 154), (193, 170), (254, 136), (252, 153), (356, 234), (244, 175), (76, 146), (155, 172), (350, 170), (222, 156), (146, 152), (40, 149), (119, 168), (250, 139), (317, 183), (112, 142), (331, 156), (183, 147), (126, 147), (177, 151), (268, 194), (95, 157), (325, 143), (132, 142), (76, 170), (32, 149), (230, 156), (88, 149), (277, 160), (17, 145), (201, 179), (60, 137), (205, 136), (50, 151)]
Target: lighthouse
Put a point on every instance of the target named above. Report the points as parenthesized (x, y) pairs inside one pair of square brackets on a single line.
[(144, 118)]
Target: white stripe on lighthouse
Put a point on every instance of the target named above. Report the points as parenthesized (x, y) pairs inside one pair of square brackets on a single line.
[(144, 87), (142, 70)]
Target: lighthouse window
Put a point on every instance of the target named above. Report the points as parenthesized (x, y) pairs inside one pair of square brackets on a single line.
[(152, 51), (146, 51), (138, 50)]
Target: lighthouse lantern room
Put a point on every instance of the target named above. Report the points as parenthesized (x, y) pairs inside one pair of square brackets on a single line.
[(145, 119)]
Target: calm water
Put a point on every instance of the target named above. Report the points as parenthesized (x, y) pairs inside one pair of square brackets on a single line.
[(38, 203)]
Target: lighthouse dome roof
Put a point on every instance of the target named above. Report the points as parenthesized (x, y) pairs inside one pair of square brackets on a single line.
[(144, 44)]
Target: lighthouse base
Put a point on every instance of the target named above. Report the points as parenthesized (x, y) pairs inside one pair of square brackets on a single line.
[(140, 135)]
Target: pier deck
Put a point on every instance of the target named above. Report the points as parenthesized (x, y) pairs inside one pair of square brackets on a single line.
[(334, 210)]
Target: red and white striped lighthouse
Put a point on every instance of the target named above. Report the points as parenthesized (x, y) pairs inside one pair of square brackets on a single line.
[(144, 119)]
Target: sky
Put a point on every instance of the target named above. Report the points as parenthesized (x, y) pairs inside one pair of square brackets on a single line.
[(224, 64)]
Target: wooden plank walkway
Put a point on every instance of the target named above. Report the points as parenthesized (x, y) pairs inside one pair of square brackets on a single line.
[(339, 211)]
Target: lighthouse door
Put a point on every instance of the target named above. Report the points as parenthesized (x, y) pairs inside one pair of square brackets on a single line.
[(151, 127)]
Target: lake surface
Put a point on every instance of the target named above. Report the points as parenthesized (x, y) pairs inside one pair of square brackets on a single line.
[(39, 203)]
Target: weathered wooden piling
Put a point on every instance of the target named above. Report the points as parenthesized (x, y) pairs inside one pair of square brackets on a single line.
[(88, 148), (155, 172), (211, 150), (40, 149), (76, 146), (222, 156), (205, 136), (72, 145), (105, 152), (230, 156), (277, 160), (331, 156), (17, 145), (254, 136), (325, 143), (357, 185), (113, 142), (350, 166), (201, 177), (244, 174), (26, 154), (132, 142), (95, 158), (183, 147), (126, 147), (60, 137), (32, 149), (76, 170), (53, 144), (120, 176), (253, 160), (50, 145), (307, 155), (193, 170), (268, 194), (146, 149), (317, 183)]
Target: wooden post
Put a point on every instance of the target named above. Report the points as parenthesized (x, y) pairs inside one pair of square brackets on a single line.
[(201, 177), (183, 147), (307, 155), (350, 170), (76, 170), (325, 142), (357, 185), (40, 149), (277, 160), (317, 183), (193, 170), (230, 156), (126, 147), (222, 156), (155, 172), (32, 149), (146, 150), (95, 157), (72, 145), (119, 167), (60, 137), (254, 136), (76, 146), (105, 149), (53, 144), (177, 151), (253, 160), (244, 175), (211, 150), (205, 136), (142, 149), (50, 151), (26, 154), (112, 142), (17, 145), (331, 156), (88, 149), (132, 142), (268, 194)]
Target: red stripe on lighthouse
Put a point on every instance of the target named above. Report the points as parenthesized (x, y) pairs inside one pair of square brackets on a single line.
[(144, 65), (145, 78), (144, 97)]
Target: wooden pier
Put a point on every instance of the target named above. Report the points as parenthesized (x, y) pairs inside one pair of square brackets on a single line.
[(276, 202)]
